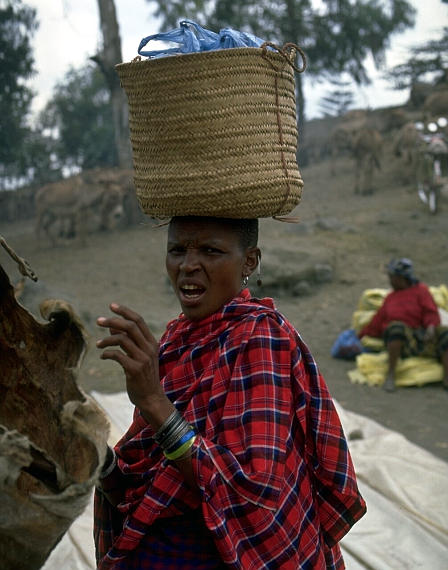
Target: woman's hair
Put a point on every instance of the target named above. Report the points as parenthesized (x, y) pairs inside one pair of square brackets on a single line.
[(246, 228), (402, 267)]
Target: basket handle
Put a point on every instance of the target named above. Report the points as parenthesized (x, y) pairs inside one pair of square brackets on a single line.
[(288, 52)]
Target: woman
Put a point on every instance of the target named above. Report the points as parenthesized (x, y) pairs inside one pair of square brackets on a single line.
[(236, 456), (409, 322)]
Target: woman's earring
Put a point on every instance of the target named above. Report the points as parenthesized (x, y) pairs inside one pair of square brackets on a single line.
[(259, 281), (245, 280)]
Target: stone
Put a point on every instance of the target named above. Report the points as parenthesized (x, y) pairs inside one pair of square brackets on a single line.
[(323, 273)]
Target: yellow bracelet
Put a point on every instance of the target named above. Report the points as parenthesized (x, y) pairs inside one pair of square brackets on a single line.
[(181, 450)]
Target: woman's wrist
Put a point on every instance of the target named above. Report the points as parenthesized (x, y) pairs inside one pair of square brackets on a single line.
[(156, 411)]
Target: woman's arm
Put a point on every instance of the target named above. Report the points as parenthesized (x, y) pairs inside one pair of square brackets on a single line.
[(139, 358), (376, 325), (430, 312)]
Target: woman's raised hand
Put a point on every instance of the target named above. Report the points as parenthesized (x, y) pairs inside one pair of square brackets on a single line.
[(139, 357)]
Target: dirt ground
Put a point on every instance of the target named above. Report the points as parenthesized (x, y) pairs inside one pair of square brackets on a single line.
[(358, 233)]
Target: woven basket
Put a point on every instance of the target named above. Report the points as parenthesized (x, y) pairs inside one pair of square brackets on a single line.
[(214, 133)]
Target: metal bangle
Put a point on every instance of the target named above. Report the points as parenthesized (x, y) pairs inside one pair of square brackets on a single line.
[(175, 436), (172, 431), (172, 420)]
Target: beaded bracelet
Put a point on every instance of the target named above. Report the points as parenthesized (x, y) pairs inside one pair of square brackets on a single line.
[(182, 449), (190, 433)]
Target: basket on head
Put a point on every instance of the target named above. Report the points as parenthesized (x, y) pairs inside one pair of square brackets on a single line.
[(214, 133)]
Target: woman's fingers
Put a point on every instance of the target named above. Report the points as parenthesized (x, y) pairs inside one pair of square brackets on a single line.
[(124, 342), (131, 367), (132, 345), (131, 315), (118, 326), (129, 322), (114, 331), (118, 356), (142, 377)]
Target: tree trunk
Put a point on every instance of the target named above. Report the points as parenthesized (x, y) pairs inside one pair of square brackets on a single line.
[(295, 12), (107, 58)]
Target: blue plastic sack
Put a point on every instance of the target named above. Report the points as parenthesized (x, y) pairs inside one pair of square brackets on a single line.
[(347, 345), (191, 37)]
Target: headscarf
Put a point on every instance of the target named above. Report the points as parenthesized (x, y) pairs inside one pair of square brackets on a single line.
[(402, 267)]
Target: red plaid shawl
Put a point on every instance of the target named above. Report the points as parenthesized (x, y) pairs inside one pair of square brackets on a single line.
[(277, 484)]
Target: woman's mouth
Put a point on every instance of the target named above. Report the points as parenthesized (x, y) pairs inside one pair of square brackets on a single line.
[(191, 292)]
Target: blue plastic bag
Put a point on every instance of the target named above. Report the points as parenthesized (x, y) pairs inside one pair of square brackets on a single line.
[(192, 37), (347, 345)]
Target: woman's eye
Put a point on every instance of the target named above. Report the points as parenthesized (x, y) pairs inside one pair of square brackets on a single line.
[(176, 250)]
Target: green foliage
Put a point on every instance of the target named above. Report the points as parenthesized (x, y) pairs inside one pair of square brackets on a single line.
[(427, 62), (345, 36), (337, 37), (174, 10), (74, 131), (17, 25), (79, 118)]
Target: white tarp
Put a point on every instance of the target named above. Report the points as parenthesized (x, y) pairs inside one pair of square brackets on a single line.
[(405, 487)]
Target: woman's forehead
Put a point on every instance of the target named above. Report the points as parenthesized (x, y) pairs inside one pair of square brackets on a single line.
[(200, 228)]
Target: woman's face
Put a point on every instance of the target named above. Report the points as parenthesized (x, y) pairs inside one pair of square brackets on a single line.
[(398, 282), (206, 263)]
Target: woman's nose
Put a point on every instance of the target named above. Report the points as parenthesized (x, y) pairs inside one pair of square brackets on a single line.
[(190, 260)]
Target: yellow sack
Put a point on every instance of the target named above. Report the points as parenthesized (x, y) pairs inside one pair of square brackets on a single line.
[(440, 296), (372, 299), (371, 369), (368, 304), (361, 318), (373, 343)]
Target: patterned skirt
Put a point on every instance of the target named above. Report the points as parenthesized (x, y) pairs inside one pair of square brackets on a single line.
[(175, 543), (414, 343)]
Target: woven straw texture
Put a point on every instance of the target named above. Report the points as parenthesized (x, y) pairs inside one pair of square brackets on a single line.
[(214, 133)]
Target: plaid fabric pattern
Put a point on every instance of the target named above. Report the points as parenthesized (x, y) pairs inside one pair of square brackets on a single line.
[(277, 484), (173, 544)]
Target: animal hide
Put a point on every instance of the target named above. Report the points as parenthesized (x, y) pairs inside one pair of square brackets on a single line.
[(52, 435)]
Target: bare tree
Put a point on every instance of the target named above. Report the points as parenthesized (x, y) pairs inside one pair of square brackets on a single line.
[(107, 58)]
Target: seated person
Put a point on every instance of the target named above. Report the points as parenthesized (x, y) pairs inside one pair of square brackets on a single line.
[(409, 322)]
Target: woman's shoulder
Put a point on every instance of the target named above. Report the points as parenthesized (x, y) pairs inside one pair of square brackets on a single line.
[(422, 286), (419, 289), (260, 316), (253, 309), (240, 319)]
